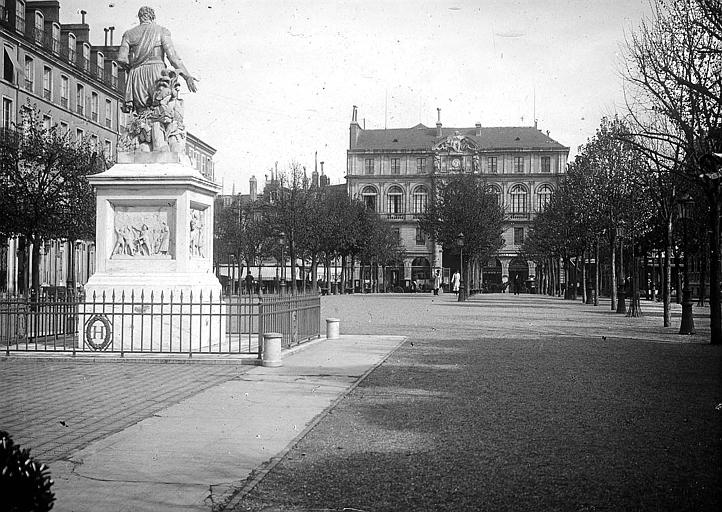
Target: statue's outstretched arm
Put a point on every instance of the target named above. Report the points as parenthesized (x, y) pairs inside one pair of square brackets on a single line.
[(123, 53), (176, 61)]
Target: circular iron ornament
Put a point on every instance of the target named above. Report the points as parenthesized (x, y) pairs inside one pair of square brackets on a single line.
[(98, 332)]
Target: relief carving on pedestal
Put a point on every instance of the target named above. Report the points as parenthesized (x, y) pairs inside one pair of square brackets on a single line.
[(142, 232), (197, 231)]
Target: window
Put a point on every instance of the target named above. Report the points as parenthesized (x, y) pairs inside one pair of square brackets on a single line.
[(518, 236), (546, 164), (394, 200), (421, 198), (29, 73), (518, 199), (64, 127), (395, 166), (420, 236), (497, 195), (80, 99), (369, 166), (85, 64), (421, 165), (108, 114), (56, 38), (39, 27), (47, 122), (7, 112), (94, 142), (64, 91), (544, 195), (72, 48), (94, 106), (518, 164), (108, 149), (368, 195), (20, 16), (100, 64), (492, 164), (79, 134), (47, 83), (8, 64), (114, 74)]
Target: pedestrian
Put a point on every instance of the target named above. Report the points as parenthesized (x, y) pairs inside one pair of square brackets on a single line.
[(517, 284), (437, 281), (455, 281)]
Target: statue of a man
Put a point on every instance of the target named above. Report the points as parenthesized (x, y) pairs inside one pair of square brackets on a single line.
[(142, 52)]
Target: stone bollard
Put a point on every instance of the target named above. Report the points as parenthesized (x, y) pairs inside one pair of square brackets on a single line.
[(271, 349), (332, 328)]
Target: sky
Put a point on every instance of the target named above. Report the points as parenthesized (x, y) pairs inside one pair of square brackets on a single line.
[(279, 78)]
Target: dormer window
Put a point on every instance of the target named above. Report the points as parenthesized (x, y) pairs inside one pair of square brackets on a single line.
[(100, 63), (86, 57), (39, 27), (72, 48), (20, 16), (55, 43)]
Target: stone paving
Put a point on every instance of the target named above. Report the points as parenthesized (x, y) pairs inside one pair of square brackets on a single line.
[(57, 407)]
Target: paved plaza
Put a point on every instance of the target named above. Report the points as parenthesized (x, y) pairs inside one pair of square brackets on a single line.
[(500, 403)]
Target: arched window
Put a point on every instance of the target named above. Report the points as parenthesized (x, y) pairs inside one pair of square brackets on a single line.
[(56, 38), (395, 200), (497, 194), (85, 64), (368, 195), (421, 199), (544, 195), (72, 48), (518, 199), (39, 27)]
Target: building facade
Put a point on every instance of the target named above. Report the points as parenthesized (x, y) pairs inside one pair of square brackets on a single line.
[(392, 171)]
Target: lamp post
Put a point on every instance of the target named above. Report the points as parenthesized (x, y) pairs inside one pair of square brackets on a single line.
[(460, 244), (282, 243), (621, 295), (684, 209)]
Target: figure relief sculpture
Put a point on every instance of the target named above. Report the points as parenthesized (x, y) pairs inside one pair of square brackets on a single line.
[(476, 164), (151, 90), (196, 235), (141, 234)]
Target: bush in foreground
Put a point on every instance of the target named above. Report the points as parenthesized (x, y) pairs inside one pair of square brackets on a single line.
[(24, 483)]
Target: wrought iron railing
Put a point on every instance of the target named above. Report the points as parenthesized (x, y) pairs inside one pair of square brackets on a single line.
[(157, 324)]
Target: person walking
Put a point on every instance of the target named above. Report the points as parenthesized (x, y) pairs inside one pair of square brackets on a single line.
[(455, 281), (517, 284), (437, 281)]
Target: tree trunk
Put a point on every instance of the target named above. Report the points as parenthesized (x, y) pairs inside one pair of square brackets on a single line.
[(702, 256), (314, 273), (635, 308), (613, 284), (667, 278), (715, 314), (597, 280), (35, 269), (678, 284), (343, 275)]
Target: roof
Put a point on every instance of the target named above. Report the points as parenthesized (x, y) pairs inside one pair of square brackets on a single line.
[(423, 138)]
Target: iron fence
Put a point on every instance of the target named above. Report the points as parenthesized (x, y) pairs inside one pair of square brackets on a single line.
[(155, 323)]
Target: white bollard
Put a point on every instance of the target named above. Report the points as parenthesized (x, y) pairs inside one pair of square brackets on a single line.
[(332, 328), (271, 349)]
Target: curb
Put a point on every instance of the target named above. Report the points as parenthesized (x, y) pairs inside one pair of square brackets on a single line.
[(259, 473)]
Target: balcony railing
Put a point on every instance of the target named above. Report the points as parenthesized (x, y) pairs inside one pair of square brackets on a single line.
[(64, 102), (520, 215), (29, 85), (79, 109), (46, 94), (94, 116), (396, 216)]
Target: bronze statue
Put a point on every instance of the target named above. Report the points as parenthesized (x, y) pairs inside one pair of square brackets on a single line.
[(142, 53)]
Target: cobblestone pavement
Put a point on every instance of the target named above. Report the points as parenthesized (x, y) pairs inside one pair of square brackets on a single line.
[(57, 407)]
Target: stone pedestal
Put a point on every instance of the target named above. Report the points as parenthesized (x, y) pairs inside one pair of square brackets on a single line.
[(154, 254)]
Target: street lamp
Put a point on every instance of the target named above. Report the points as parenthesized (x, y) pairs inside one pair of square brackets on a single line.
[(621, 295), (282, 243), (460, 244), (685, 208)]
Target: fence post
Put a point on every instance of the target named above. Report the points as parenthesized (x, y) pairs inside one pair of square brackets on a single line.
[(261, 327)]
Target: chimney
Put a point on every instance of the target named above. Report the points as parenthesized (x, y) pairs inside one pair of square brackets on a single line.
[(547, 133), (321, 167), (535, 124), (354, 129), (478, 129), (82, 16), (438, 122), (111, 35), (106, 36), (253, 188)]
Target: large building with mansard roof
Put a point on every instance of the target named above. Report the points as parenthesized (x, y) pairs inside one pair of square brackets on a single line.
[(391, 171)]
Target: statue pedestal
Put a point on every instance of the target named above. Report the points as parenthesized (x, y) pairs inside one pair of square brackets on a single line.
[(154, 287)]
